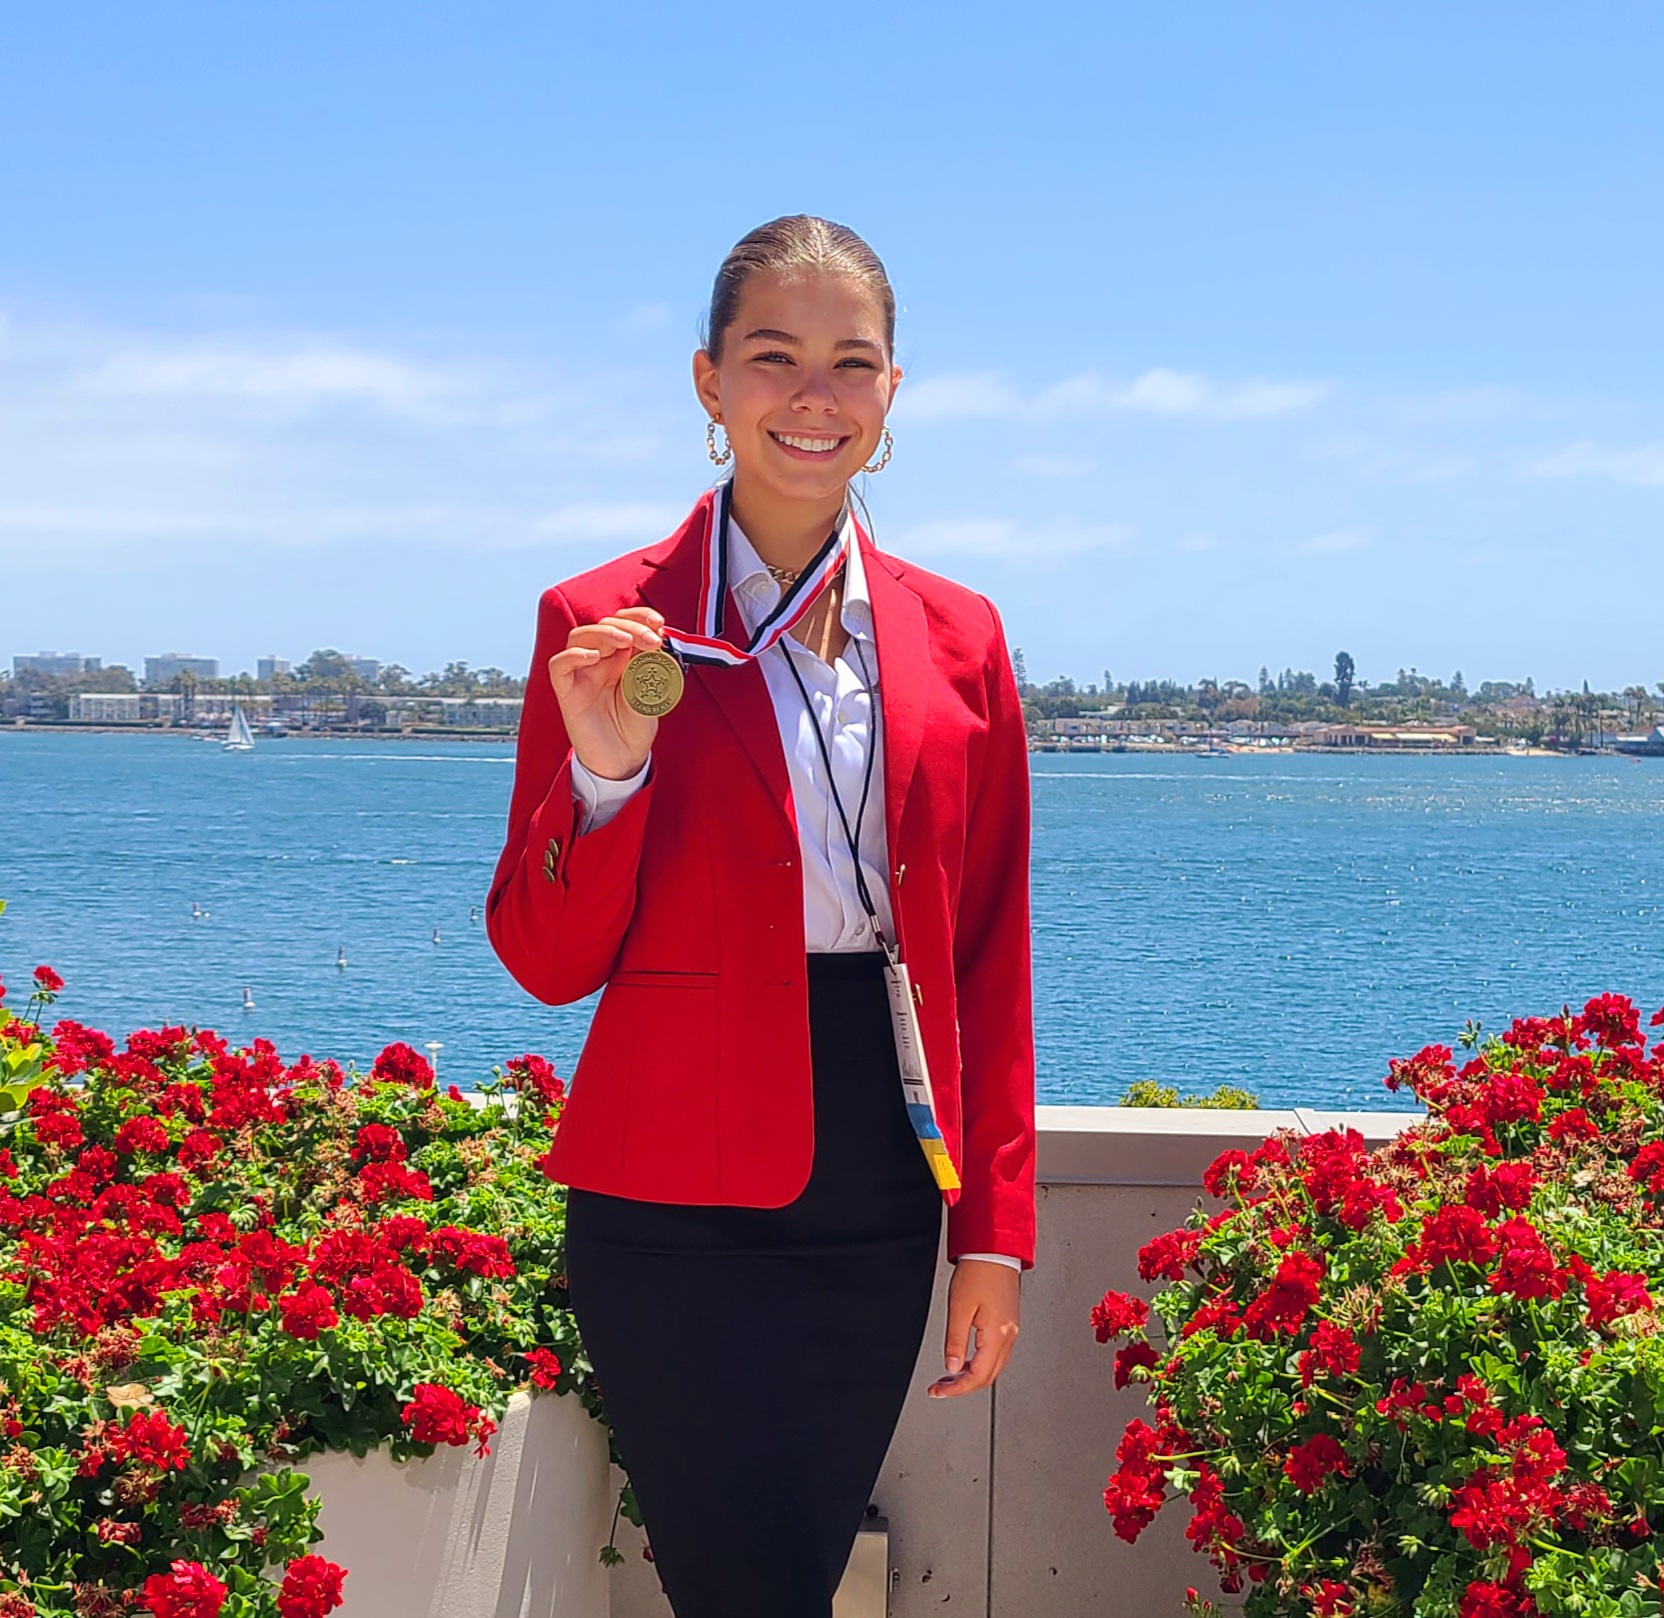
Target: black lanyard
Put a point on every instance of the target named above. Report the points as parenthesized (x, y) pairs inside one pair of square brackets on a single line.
[(853, 838)]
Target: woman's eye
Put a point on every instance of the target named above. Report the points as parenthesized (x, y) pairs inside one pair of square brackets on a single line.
[(864, 365), (775, 357)]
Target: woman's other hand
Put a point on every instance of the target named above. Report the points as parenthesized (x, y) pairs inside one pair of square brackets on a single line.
[(986, 1299), (610, 738)]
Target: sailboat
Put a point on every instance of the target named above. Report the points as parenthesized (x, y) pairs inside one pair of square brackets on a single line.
[(239, 738)]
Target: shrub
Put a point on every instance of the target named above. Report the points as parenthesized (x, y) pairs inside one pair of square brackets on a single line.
[(211, 1264), (1426, 1379), (1151, 1093)]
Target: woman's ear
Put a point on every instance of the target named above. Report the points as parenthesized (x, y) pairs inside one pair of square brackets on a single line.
[(706, 384), (896, 374)]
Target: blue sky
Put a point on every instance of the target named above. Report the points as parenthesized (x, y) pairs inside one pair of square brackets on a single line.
[(1235, 335)]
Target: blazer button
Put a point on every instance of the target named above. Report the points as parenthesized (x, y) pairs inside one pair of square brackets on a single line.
[(550, 855)]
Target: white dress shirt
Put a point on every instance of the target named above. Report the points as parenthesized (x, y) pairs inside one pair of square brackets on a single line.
[(845, 698)]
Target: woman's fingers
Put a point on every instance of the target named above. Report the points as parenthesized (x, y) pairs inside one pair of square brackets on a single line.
[(984, 1299)]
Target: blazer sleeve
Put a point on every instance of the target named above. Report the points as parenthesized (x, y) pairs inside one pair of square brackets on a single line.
[(560, 902), (995, 1210)]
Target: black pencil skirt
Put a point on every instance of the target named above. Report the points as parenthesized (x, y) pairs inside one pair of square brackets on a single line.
[(754, 1361)]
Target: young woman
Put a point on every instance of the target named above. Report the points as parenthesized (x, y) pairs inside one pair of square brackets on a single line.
[(804, 888)]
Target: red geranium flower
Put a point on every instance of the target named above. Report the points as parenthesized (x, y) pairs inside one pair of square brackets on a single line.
[(311, 1588), (379, 1143), (538, 1075), (438, 1415), (152, 1440), (308, 1310), (1134, 1356), (1286, 1302), (1168, 1257), (399, 1064), (1334, 1352), (1118, 1314), (47, 982), (1308, 1464), (1613, 1295), (545, 1366), (145, 1133), (1526, 1267), (189, 1590)]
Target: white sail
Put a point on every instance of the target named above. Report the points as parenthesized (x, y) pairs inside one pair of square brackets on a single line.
[(239, 739)]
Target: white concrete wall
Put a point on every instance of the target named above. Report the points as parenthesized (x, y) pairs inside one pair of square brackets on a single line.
[(995, 1504), (515, 1535)]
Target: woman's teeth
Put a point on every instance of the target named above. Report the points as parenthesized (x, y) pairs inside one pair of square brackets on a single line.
[(814, 446)]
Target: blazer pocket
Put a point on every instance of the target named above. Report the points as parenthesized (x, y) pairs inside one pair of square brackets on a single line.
[(664, 980)]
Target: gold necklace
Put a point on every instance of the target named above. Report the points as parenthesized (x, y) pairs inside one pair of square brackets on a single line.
[(787, 576)]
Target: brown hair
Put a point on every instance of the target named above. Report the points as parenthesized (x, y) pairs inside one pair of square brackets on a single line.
[(803, 243)]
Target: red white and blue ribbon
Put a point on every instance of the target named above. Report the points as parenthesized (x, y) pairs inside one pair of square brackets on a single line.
[(707, 644)]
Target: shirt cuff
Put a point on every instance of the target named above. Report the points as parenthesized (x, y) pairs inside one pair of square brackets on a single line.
[(601, 799), (992, 1258)]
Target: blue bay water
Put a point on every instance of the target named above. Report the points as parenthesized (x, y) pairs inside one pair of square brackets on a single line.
[(1286, 924)]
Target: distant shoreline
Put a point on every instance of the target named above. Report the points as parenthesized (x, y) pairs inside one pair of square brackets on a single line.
[(1145, 750), (179, 733)]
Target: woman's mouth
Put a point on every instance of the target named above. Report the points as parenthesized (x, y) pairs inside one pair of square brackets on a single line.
[(810, 446)]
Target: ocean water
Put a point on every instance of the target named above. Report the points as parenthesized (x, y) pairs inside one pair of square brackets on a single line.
[(1286, 924)]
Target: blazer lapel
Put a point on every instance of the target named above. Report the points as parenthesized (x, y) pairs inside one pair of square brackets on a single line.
[(904, 671), (740, 695)]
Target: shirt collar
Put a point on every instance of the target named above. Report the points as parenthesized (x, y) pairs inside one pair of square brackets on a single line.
[(757, 591)]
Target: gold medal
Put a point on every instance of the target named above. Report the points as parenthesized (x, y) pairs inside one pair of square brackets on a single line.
[(652, 683)]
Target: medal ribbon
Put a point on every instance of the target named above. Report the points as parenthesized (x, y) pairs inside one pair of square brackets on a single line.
[(708, 645)]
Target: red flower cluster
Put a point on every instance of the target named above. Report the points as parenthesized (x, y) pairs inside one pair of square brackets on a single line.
[(538, 1075), (545, 1366), (1310, 1464), (437, 1415), (1285, 1303), (399, 1064), (472, 1251), (311, 1588), (1118, 1314), (1334, 1352), (189, 1590)]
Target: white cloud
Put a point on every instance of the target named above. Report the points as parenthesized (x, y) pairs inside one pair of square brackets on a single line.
[(1643, 465), (957, 397), (154, 446), (1008, 538), (298, 375), (1335, 543), (1159, 392)]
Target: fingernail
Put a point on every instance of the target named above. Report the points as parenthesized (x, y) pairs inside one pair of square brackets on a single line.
[(955, 1365)]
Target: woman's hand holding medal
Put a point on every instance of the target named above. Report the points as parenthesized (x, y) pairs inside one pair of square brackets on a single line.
[(602, 707)]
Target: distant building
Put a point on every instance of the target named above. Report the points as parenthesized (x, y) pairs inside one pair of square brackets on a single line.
[(456, 713), (56, 663), (268, 668), (123, 707), (368, 669), (1648, 745), (159, 671)]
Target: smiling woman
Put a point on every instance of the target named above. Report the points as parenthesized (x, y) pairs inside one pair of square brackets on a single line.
[(757, 1156)]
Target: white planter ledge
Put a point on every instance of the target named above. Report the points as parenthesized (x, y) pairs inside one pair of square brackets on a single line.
[(515, 1535)]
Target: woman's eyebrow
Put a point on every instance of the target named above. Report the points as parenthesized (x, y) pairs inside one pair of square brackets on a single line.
[(769, 334)]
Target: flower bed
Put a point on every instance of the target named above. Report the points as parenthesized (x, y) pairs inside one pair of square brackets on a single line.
[(212, 1264), (1427, 1379)]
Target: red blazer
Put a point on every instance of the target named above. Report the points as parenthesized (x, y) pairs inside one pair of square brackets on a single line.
[(694, 1085)]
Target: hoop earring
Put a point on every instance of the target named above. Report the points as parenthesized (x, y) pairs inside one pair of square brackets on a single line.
[(884, 459), (710, 444)]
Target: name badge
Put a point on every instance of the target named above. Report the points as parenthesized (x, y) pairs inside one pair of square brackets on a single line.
[(915, 1073)]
